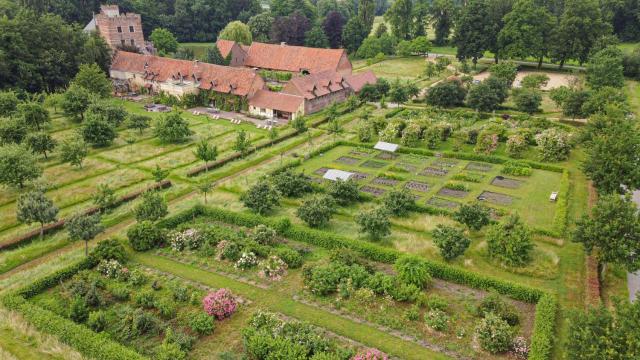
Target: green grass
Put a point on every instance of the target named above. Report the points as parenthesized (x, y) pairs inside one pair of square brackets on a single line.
[(275, 301), (198, 48)]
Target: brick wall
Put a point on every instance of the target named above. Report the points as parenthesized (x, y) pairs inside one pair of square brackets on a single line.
[(319, 103)]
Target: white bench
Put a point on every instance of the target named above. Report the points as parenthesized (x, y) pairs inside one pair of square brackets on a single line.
[(554, 196)]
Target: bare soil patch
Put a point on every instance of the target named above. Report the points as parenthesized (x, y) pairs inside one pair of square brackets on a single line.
[(473, 166), (385, 181), (347, 160), (496, 198), (417, 186), (445, 163), (453, 193), (504, 182), (358, 153), (373, 190), (321, 171), (431, 171), (373, 164), (442, 203), (407, 167), (357, 176), (386, 156)]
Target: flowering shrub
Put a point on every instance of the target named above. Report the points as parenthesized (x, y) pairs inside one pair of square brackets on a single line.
[(494, 334), (487, 143), (391, 131), (247, 260), (112, 269), (437, 320), (228, 250), (411, 134), (554, 144), (516, 145), (273, 268), (220, 304), (187, 239), (370, 354), (264, 235), (521, 348)]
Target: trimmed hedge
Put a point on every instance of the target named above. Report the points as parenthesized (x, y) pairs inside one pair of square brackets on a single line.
[(544, 328), (49, 228), (560, 219), (55, 278), (88, 343)]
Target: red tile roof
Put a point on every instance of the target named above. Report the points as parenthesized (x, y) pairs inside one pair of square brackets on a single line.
[(315, 85), (225, 46), (266, 99), (292, 58), (225, 79), (358, 81)]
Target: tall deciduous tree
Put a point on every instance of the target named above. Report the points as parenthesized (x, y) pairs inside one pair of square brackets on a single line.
[(84, 227), (75, 102), (172, 128), (367, 12), (92, 78), (261, 197), (152, 207), (614, 229), (333, 25), (527, 31), (400, 17), (612, 147), (237, 31), (605, 68), (73, 150), (164, 40), (290, 29), (375, 223), (443, 13), (35, 207), (260, 26), (471, 37), (17, 165), (580, 17), (354, 34), (316, 38)]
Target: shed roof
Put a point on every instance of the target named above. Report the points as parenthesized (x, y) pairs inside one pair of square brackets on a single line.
[(359, 80), (334, 174), (385, 146)]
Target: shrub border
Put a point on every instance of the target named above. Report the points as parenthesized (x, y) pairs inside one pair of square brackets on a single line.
[(546, 304)]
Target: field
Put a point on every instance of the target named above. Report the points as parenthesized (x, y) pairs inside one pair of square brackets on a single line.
[(343, 285)]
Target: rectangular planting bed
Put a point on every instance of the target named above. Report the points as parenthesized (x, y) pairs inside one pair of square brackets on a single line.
[(357, 176), (442, 203), (417, 186), (453, 193), (360, 153), (386, 156), (474, 166), (445, 163), (495, 198), (504, 182), (348, 160), (431, 171), (372, 190), (406, 167), (321, 171), (373, 164), (384, 181)]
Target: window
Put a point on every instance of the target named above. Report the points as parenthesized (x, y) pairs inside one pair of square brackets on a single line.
[(133, 43), (130, 28), (119, 29), (122, 42)]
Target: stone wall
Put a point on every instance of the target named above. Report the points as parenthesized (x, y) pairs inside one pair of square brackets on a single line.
[(109, 26)]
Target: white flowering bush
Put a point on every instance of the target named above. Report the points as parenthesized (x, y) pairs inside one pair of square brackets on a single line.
[(392, 131), (247, 260), (411, 135), (187, 239), (516, 145), (554, 144), (272, 268), (110, 268), (521, 348)]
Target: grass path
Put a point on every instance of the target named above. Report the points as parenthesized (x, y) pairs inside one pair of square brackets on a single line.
[(282, 303)]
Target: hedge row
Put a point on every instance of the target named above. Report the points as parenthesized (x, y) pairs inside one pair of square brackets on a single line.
[(55, 278), (544, 328), (560, 219), (90, 344), (49, 228)]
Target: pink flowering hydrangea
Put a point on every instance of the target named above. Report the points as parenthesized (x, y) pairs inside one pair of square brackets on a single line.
[(371, 354), (220, 304)]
